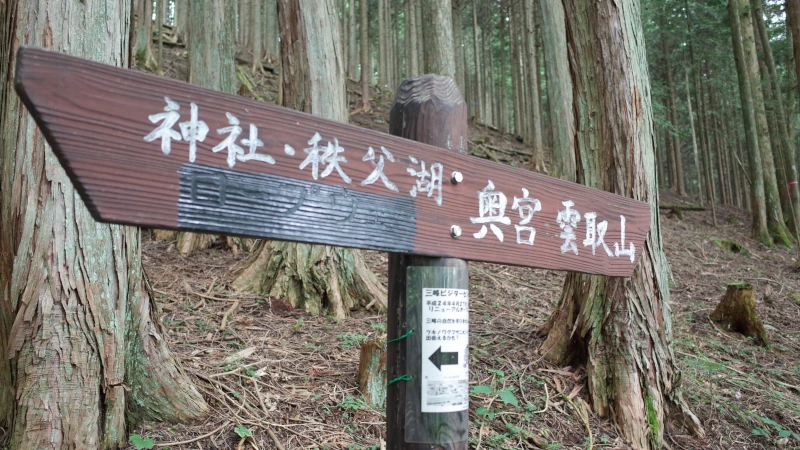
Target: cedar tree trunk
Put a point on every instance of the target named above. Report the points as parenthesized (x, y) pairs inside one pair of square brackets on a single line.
[(312, 277), (81, 351), (212, 66), (620, 328)]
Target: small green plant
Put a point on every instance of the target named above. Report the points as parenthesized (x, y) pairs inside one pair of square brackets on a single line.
[(350, 339), (500, 374), (140, 443), (732, 246), (481, 389), (782, 432), (379, 326), (652, 418), (243, 431), (508, 397), (297, 325), (485, 412), (351, 403)]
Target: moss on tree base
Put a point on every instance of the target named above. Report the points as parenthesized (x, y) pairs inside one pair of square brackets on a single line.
[(372, 373), (737, 312)]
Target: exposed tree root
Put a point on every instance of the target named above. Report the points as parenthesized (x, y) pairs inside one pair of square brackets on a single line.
[(618, 329), (189, 242), (316, 278)]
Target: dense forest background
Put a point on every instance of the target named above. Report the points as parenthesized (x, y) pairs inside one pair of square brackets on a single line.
[(507, 63), (199, 341)]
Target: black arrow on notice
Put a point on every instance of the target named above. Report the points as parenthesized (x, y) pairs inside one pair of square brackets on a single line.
[(440, 358)]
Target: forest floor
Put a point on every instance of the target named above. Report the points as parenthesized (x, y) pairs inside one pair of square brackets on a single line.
[(288, 378)]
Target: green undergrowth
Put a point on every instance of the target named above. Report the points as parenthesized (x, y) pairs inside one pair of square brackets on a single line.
[(732, 379), (732, 246)]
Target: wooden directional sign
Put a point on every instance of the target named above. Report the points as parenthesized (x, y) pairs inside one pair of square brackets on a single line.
[(153, 152)]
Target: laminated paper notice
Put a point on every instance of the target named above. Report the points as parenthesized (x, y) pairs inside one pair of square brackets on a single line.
[(445, 350)]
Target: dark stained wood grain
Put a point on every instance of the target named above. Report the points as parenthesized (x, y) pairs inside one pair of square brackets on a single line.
[(95, 117), (430, 109)]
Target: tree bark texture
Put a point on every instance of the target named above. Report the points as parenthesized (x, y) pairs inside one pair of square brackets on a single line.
[(258, 32), (476, 44), (619, 327), (181, 19), (737, 312), (371, 375), (559, 89), (352, 41), (144, 33), (758, 209), (412, 53), (80, 346), (211, 49), (212, 66), (793, 24), (695, 152), (676, 172), (458, 41), (775, 224), (790, 193), (705, 137), (532, 83), (271, 37), (366, 69), (382, 60), (438, 42), (312, 277)]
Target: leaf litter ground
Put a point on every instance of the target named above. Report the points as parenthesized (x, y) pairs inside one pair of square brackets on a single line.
[(288, 378)]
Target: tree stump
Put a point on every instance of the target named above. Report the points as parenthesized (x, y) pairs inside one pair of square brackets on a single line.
[(737, 312), (372, 373)]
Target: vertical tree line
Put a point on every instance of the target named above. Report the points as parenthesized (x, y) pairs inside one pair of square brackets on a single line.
[(724, 99), (495, 51)]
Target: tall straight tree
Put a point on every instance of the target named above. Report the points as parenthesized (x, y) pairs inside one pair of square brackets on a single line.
[(144, 33), (212, 66), (532, 82), (181, 19), (82, 353), (438, 38), (257, 32), (620, 328), (775, 224), (366, 66), (559, 89), (352, 40), (787, 162), (458, 44), (271, 32), (412, 46), (793, 23), (674, 146), (758, 207), (383, 63), (476, 44), (313, 277)]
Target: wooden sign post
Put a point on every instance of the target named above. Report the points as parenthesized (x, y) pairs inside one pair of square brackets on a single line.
[(152, 152), (427, 401)]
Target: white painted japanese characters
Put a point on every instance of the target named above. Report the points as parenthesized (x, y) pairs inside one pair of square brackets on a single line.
[(491, 210), (323, 159)]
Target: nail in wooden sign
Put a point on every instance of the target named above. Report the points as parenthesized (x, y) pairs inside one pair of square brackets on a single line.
[(153, 152)]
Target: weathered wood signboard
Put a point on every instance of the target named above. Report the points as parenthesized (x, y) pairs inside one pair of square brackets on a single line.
[(153, 152)]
